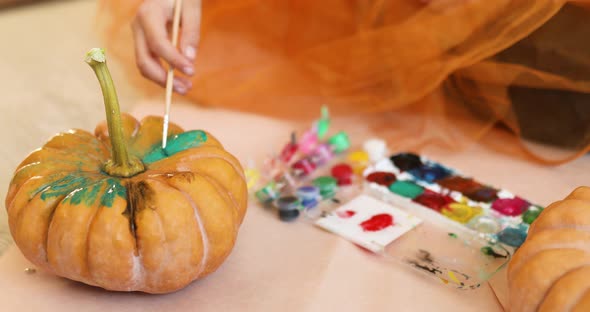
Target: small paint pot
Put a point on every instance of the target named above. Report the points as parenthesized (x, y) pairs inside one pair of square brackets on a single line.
[(376, 149), (308, 141), (342, 173), (406, 189), (339, 142), (268, 193), (326, 185), (288, 152), (308, 195), (381, 178), (359, 160), (303, 167), (406, 161), (285, 180), (321, 155), (288, 207), (252, 177), (512, 236)]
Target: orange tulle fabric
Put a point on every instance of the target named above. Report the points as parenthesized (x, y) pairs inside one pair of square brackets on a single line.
[(440, 72)]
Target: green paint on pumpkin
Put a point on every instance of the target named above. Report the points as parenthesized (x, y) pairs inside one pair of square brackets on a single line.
[(176, 144), (113, 190), (86, 194), (155, 155), (63, 186), (80, 189)]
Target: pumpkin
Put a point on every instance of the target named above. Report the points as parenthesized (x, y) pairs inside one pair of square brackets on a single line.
[(118, 211), (551, 270)]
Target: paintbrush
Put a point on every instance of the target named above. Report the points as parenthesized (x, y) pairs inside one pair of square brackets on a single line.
[(170, 77)]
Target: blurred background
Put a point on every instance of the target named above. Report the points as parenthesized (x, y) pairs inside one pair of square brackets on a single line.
[(46, 86)]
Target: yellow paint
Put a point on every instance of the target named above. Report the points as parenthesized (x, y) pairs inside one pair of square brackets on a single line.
[(252, 177), (453, 277), (461, 213), (358, 161), (444, 280)]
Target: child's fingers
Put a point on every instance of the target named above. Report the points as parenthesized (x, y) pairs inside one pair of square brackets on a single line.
[(153, 23), (191, 24), (150, 66)]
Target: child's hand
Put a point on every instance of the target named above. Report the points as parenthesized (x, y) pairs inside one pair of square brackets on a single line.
[(152, 42)]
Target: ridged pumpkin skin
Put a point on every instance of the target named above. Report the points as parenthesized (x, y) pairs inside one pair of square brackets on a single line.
[(154, 232), (551, 270)]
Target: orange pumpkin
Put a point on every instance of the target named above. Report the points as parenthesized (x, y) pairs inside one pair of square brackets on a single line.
[(550, 271), (150, 219)]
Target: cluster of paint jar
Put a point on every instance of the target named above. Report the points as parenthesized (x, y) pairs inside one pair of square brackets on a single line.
[(292, 187), (465, 208), (290, 199)]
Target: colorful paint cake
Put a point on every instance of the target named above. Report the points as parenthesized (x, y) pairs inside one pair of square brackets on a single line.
[(480, 207)]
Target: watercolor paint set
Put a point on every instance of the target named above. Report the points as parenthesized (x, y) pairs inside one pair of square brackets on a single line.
[(469, 229), (486, 211)]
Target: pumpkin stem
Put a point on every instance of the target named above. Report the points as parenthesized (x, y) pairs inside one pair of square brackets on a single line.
[(122, 163)]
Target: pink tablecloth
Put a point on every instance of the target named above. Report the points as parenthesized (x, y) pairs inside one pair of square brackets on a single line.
[(294, 267)]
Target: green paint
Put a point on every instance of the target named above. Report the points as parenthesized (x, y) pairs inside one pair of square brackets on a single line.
[(453, 235), (155, 155), (340, 142), (63, 186), (81, 189), (176, 143), (406, 189), (531, 214), (86, 194), (113, 190), (489, 251), (327, 186), (324, 123)]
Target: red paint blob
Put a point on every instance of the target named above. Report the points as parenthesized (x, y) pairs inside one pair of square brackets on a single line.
[(342, 173), (382, 178), (345, 214), (510, 206), (460, 184), (433, 200), (377, 222), (303, 167), (288, 152)]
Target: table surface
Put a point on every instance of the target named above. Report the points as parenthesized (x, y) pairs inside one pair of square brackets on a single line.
[(294, 266)]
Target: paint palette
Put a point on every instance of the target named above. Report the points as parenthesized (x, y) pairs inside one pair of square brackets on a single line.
[(368, 222), (478, 225)]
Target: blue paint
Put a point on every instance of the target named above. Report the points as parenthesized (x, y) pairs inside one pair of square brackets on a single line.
[(512, 236), (308, 195), (176, 143), (430, 172)]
